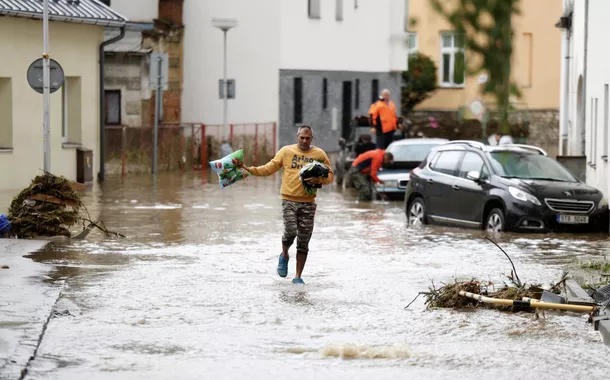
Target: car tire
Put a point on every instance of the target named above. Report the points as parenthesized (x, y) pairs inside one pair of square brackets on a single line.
[(495, 221), (417, 214)]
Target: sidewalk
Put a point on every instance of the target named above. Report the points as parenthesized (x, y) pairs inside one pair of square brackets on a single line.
[(26, 303)]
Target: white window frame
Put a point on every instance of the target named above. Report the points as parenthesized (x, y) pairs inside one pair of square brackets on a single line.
[(313, 9), (65, 112), (452, 51), (338, 10), (411, 49), (605, 141)]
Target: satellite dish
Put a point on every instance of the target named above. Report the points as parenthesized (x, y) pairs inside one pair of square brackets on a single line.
[(35, 76)]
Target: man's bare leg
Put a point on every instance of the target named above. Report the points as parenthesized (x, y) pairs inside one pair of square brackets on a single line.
[(301, 259), (285, 250)]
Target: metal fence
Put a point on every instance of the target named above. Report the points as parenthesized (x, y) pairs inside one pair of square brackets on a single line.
[(184, 146)]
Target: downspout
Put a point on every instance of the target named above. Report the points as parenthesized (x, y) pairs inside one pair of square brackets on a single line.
[(584, 85), (566, 93), (102, 173)]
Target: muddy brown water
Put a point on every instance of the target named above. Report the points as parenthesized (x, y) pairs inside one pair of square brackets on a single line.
[(192, 293)]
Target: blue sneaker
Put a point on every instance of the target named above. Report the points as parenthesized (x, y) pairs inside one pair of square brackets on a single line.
[(282, 266), (298, 281)]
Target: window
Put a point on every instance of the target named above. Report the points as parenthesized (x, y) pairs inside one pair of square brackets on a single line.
[(112, 107), (605, 143), (107, 2), (6, 113), (447, 161), (412, 43), (324, 94), (452, 68), (339, 10), (374, 90), (298, 100), (528, 165), (411, 152), (355, 4), (313, 9), (357, 95), (471, 162), (71, 111)]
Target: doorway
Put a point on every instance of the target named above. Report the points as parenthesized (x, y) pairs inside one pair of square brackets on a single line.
[(346, 110)]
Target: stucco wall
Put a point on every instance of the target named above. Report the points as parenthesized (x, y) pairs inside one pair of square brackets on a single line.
[(535, 65), (128, 73), (75, 47), (314, 114)]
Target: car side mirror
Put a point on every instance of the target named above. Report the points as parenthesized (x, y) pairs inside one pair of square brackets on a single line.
[(474, 176)]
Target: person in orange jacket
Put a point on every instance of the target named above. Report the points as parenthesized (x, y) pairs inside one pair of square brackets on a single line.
[(364, 171), (384, 119)]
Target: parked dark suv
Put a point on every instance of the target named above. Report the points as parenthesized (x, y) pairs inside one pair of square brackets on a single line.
[(500, 188)]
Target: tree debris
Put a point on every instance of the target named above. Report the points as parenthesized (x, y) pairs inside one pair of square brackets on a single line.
[(50, 206)]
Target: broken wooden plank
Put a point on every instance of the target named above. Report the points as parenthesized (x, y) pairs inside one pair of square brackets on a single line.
[(576, 295), (52, 199)]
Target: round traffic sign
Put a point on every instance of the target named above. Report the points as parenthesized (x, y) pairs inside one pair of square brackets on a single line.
[(35, 75)]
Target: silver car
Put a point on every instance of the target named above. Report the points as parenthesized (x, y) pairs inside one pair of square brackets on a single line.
[(408, 154)]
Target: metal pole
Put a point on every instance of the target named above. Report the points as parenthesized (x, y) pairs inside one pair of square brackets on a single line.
[(46, 91), (225, 85), (157, 101)]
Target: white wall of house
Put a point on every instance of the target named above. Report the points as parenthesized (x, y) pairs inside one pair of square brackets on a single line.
[(253, 57), (366, 38), (75, 47), (136, 10), (279, 34), (597, 96)]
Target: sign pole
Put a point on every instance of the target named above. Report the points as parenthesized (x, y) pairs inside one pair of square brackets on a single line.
[(46, 95), (157, 105)]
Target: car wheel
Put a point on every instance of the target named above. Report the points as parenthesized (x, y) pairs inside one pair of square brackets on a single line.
[(495, 221), (416, 215)]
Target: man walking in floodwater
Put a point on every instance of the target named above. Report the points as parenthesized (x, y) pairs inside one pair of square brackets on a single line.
[(298, 207)]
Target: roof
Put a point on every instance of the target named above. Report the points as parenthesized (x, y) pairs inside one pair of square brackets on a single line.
[(461, 144), (423, 140), (79, 11), (131, 43)]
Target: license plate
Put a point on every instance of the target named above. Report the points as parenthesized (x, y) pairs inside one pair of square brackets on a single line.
[(573, 219)]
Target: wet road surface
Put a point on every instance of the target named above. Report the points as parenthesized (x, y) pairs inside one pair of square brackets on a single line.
[(192, 293)]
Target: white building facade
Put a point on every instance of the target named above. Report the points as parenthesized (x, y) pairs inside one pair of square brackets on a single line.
[(585, 88), (316, 62)]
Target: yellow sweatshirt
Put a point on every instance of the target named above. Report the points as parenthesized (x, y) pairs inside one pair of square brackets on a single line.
[(292, 159)]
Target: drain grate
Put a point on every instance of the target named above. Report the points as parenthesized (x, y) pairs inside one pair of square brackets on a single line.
[(602, 294)]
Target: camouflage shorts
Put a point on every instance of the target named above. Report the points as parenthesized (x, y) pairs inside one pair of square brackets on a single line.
[(298, 223)]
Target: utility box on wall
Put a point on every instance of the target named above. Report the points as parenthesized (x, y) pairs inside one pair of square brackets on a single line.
[(84, 165)]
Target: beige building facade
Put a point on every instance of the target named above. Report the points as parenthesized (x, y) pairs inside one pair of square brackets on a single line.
[(74, 108), (535, 65)]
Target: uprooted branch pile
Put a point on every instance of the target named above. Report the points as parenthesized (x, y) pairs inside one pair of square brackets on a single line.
[(448, 295), (48, 207)]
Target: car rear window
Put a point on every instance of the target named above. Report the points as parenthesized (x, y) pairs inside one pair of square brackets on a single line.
[(411, 152)]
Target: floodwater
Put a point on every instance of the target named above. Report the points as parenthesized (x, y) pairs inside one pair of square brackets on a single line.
[(192, 293)]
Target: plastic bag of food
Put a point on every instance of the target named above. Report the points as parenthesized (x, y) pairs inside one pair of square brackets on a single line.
[(228, 169), (313, 170)]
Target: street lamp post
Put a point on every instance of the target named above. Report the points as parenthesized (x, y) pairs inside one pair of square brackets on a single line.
[(225, 25), (46, 94)]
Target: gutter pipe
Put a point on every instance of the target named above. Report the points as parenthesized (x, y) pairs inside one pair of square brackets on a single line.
[(101, 174)]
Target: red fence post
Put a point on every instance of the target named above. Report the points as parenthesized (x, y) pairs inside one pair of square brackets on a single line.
[(256, 144), (182, 149), (204, 148), (274, 138), (123, 147)]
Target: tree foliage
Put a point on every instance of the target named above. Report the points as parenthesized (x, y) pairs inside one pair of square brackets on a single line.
[(487, 29), (418, 82)]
